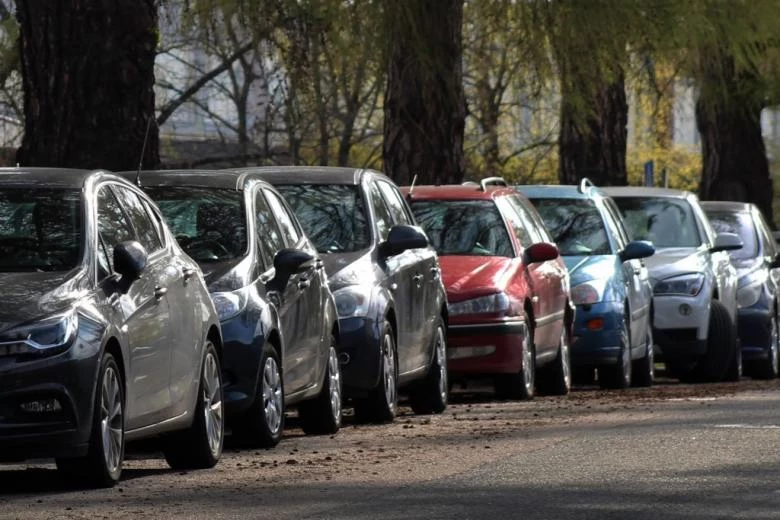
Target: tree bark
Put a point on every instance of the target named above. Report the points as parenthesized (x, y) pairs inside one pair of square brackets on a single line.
[(593, 134), (425, 109), (88, 76), (728, 116)]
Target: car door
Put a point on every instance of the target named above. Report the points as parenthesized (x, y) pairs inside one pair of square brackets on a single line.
[(424, 268), (400, 272), (146, 313)]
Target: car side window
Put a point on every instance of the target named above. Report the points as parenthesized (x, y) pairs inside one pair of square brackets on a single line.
[(268, 234), (113, 226), (145, 229), (520, 228), (384, 220), (288, 228), (269, 240), (156, 220), (618, 218), (614, 229), (769, 246), (395, 204)]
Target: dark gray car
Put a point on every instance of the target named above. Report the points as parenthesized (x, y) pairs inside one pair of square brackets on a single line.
[(107, 332)]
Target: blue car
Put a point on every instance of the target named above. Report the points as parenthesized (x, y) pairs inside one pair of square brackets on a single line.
[(609, 284)]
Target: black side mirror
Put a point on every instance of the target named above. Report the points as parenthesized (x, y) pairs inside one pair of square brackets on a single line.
[(637, 249), (541, 252), (402, 238), (130, 259), (288, 262), (726, 242)]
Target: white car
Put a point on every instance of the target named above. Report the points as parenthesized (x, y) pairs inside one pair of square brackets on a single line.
[(694, 283)]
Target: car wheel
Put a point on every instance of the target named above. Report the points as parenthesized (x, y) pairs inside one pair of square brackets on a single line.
[(721, 346), (618, 376), (644, 368), (558, 378), (200, 446), (768, 369), (430, 395), (523, 384), (102, 466), (734, 371), (322, 415), (263, 424), (382, 403)]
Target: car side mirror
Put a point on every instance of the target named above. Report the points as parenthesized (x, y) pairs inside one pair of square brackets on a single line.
[(130, 259), (726, 242), (775, 263), (541, 252), (637, 249), (402, 238), (288, 262)]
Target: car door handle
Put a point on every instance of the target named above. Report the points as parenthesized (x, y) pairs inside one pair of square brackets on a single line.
[(637, 271), (318, 264), (159, 292), (435, 271), (303, 283), (417, 278), (188, 272)]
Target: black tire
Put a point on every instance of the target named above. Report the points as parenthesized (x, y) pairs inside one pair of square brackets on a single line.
[(557, 379), (322, 415), (618, 376), (200, 445), (381, 404), (768, 368), (263, 424), (734, 371), (721, 346), (429, 396), (643, 374), (521, 385), (100, 468)]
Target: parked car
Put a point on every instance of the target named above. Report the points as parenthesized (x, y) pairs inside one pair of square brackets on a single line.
[(277, 314), (507, 287), (609, 283), (107, 333), (385, 278), (757, 293), (694, 283)]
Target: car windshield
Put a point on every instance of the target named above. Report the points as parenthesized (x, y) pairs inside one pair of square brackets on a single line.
[(740, 224), (332, 215), (209, 224), (464, 227), (575, 225), (40, 229), (665, 221)]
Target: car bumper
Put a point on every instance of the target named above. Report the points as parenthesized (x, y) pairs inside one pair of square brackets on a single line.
[(360, 342), (485, 349), (596, 334), (680, 326), (67, 378), (754, 328), (242, 351)]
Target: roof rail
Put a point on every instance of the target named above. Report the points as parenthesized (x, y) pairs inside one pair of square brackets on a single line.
[(585, 183), (492, 181), (469, 183)]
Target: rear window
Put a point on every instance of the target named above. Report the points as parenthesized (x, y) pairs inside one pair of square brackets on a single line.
[(464, 227), (740, 224), (576, 226)]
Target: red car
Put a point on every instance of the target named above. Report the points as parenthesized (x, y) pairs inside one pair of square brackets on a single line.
[(510, 314)]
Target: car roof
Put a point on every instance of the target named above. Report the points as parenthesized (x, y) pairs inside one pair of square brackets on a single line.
[(642, 191), (726, 206), (219, 179), (311, 174), (563, 191), (457, 192), (58, 178)]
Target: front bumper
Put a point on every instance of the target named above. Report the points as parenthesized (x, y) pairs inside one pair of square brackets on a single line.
[(360, 342), (242, 352), (485, 349), (591, 346), (754, 325), (69, 378), (680, 325)]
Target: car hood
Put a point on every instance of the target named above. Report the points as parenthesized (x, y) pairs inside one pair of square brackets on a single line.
[(344, 269), (30, 295), (582, 268), (671, 261), (471, 276), (229, 275)]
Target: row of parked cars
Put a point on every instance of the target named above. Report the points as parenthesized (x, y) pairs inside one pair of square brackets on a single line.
[(176, 304)]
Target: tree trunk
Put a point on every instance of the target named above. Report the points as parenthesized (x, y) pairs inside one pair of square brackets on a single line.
[(88, 73), (728, 116), (425, 109), (592, 141)]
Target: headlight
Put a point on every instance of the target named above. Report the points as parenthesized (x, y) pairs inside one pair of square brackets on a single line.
[(684, 285), (353, 301), (48, 335), (490, 304), (750, 287), (228, 304), (589, 292)]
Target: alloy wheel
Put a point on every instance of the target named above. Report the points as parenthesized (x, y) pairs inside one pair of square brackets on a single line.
[(528, 364), (212, 403), (272, 395), (565, 358), (773, 348), (441, 361), (111, 420), (334, 379), (388, 353)]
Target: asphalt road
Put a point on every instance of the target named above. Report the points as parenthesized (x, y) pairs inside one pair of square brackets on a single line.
[(674, 451)]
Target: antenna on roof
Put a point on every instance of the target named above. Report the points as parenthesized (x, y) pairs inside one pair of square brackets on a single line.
[(411, 188), (492, 181), (585, 183), (143, 152)]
